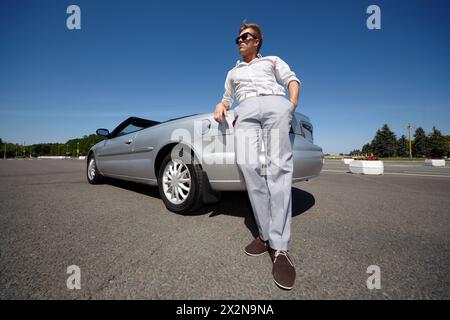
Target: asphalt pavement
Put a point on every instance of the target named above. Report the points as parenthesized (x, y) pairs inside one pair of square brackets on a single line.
[(129, 246)]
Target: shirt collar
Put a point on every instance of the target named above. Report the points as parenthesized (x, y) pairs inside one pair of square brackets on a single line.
[(257, 56)]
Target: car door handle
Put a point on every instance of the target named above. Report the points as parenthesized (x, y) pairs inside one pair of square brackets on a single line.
[(129, 141)]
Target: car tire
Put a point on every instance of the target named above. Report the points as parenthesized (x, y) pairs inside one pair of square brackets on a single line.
[(93, 175), (180, 181)]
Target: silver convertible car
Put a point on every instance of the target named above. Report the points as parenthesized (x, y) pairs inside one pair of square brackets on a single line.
[(191, 159)]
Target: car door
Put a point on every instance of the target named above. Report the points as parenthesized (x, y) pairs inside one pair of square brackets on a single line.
[(115, 156), (218, 150)]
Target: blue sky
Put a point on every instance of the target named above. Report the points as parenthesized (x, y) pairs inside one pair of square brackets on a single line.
[(163, 59)]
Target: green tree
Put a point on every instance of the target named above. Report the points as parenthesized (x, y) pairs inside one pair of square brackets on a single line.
[(385, 143), (376, 142), (366, 149), (54, 149), (437, 145), (85, 144), (3, 145), (447, 139), (402, 147), (420, 143)]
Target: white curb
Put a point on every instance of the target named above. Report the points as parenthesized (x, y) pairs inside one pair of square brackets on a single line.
[(435, 162), (367, 167)]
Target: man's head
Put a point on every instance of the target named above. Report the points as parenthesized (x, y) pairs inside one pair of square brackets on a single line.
[(249, 39)]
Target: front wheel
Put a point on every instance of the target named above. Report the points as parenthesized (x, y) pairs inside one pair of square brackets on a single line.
[(93, 175), (180, 183)]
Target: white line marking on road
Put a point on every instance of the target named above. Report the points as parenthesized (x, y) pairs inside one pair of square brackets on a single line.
[(426, 172), (401, 165), (400, 174)]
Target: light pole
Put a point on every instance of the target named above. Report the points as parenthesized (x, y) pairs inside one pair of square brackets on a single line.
[(409, 127)]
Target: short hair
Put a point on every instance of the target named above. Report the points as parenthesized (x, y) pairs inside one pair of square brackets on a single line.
[(256, 30)]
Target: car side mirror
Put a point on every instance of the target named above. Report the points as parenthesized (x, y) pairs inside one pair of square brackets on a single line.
[(103, 132)]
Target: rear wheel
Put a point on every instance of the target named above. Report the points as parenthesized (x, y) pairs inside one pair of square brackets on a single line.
[(180, 182), (93, 175)]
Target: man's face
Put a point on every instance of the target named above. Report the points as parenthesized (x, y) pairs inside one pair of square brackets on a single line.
[(248, 46)]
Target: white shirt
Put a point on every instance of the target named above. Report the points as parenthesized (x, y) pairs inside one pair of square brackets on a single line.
[(258, 77)]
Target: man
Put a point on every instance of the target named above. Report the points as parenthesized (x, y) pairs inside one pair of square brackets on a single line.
[(264, 111)]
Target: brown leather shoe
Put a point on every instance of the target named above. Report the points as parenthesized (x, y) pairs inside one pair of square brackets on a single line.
[(283, 270), (256, 248)]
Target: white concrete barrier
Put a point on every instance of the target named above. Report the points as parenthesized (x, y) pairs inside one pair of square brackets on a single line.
[(435, 162), (347, 160), (82, 157), (367, 167)]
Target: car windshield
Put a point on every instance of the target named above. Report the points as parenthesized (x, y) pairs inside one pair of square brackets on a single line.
[(132, 124), (129, 129)]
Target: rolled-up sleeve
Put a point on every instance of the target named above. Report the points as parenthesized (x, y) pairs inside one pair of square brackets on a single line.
[(284, 74), (228, 95)]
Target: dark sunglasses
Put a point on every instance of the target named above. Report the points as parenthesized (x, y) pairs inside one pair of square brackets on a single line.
[(244, 37)]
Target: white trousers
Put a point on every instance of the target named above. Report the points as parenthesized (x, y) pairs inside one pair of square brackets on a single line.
[(267, 119)]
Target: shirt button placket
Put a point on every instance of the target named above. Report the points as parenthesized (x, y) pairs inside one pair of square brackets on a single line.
[(251, 76)]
